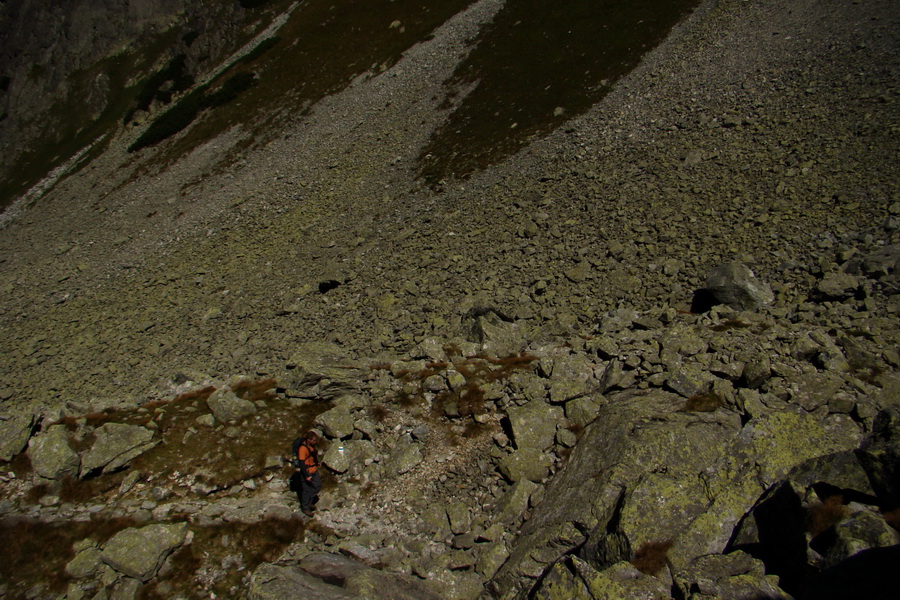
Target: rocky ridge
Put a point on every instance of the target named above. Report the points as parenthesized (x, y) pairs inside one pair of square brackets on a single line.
[(638, 448)]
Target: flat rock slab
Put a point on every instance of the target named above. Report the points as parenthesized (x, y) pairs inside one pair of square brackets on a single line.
[(117, 444), (140, 552), (271, 582)]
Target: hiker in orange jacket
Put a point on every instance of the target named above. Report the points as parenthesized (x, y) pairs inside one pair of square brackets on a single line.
[(308, 473)]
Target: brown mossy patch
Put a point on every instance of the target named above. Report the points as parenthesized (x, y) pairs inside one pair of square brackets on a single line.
[(651, 557), (36, 553), (706, 402), (220, 558), (822, 516)]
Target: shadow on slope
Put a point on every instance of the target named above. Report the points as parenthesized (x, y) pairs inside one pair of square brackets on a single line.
[(538, 64)]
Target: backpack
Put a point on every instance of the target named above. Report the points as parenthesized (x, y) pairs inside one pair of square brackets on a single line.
[(295, 448)]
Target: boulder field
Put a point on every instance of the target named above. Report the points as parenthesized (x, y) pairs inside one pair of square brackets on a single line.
[(654, 354)]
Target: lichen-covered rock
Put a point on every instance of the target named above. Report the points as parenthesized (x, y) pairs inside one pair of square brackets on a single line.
[(15, 431), (349, 457), (51, 455), (496, 335), (273, 582), (84, 564), (861, 529), (460, 518), (226, 406), (689, 379), (582, 411), (115, 446), (621, 580), (837, 286), (880, 456), (736, 285), (572, 377), (322, 370), (336, 423), (140, 552), (357, 580), (526, 463), (534, 425), (736, 576), (664, 474), (560, 582), (404, 457), (491, 557), (513, 504)]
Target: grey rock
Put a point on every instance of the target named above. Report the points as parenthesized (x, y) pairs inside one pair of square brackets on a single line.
[(864, 528), (880, 456), (689, 379), (352, 459), (877, 264), (582, 411), (404, 457), (322, 370), (140, 552), (115, 446), (273, 582), (756, 372), (85, 563), (51, 455), (636, 447), (513, 504), (15, 431), (226, 406), (735, 284), (336, 422), (459, 517), (434, 521), (837, 286), (525, 463), (534, 425), (126, 589), (737, 576), (363, 582)]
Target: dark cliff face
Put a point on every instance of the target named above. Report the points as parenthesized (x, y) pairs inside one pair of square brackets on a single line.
[(69, 69)]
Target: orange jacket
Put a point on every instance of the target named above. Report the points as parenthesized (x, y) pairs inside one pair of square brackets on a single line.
[(309, 459)]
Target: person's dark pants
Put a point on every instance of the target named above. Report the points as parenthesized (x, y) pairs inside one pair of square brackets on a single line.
[(307, 491)]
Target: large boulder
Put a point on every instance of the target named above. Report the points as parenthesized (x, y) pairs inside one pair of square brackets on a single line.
[(575, 579), (51, 455), (529, 464), (322, 370), (15, 431), (273, 582), (736, 576), (735, 285), (140, 552), (116, 445), (323, 576), (336, 422), (227, 406), (534, 424), (496, 334), (880, 457), (349, 457), (645, 471)]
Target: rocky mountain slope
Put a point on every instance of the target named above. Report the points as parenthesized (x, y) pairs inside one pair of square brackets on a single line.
[(652, 354)]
